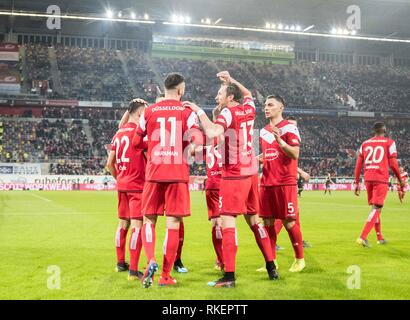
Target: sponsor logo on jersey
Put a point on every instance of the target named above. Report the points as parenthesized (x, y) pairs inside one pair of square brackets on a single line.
[(271, 154)]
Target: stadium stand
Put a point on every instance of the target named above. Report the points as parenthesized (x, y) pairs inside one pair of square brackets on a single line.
[(98, 74)]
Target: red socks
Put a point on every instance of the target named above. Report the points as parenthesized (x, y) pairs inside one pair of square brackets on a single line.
[(120, 240), (170, 250), (296, 239), (230, 248), (273, 237), (181, 240), (217, 241), (278, 226), (378, 228), (263, 240), (148, 240), (371, 220), (135, 247)]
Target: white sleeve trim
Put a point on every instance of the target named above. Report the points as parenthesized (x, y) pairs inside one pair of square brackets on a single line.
[(143, 122), (392, 149), (192, 120), (248, 101), (227, 115), (290, 128)]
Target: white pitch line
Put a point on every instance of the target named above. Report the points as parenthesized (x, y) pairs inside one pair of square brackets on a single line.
[(45, 199)]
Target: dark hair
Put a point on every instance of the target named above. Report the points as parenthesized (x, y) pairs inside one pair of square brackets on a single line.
[(172, 80), (233, 89), (292, 118), (277, 97), (133, 106), (379, 127)]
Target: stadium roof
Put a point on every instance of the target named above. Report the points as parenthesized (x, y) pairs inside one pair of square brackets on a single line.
[(385, 18)]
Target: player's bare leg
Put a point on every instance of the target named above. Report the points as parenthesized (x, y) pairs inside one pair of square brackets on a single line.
[(295, 236), (148, 242), (217, 242), (370, 223), (264, 241), (120, 244), (135, 246), (230, 248), (171, 243)]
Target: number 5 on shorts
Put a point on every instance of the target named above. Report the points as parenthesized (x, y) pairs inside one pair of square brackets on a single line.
[(220, 202), (291, 209)]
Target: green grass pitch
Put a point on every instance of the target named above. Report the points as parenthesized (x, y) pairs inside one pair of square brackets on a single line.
[(75, 231)]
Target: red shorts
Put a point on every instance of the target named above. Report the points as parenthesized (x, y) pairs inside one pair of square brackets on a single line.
[(280, 202), (171, 198), (239, 196), (376, 192), (129, 205), (213, 204)]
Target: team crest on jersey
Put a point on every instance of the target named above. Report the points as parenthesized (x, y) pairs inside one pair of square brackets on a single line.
[(271, 154)]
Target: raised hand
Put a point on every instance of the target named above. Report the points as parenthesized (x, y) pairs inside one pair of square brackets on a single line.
[(224, 76)]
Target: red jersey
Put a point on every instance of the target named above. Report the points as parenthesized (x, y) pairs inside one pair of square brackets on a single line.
[(213, 167), (237, 151), (375, 154), (278, 168), (167, 124), (130, 159)]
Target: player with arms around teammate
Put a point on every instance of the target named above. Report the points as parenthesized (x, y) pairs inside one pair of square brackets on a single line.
[(377, 154), (126, 162), (280, 141), (167, 124), (238, 191)]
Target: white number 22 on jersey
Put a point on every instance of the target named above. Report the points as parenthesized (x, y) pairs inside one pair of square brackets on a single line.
[(375, 155), (117, 143)]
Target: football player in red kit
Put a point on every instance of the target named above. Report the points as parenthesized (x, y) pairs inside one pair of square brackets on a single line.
[(377, 154), (178, 265), (168, 125), (238, 191), (126, 162), (280, 141)]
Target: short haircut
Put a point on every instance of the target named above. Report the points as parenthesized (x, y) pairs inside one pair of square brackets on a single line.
[(292, 118), (133, 106), (173, 80), (233, 89), (379, 127), (277, 97)]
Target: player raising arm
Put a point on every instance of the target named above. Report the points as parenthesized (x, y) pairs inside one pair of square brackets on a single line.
[(377, 154), (238, 191)]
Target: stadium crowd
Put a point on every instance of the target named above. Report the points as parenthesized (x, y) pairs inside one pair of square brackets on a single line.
[(98, 74), (328, 144)]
